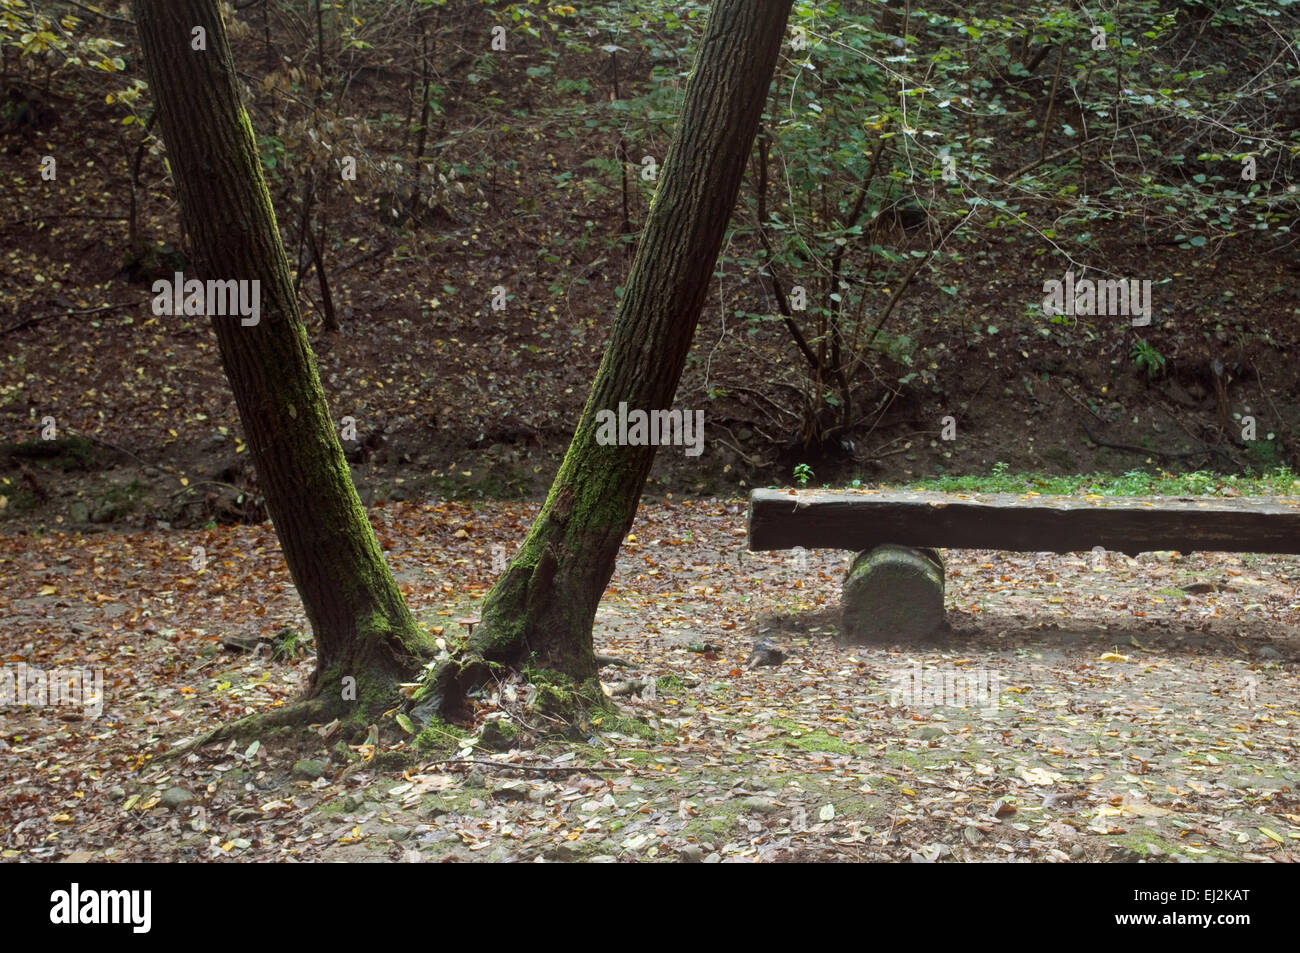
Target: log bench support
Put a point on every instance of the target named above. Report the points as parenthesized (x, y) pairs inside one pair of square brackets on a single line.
[(893, 593)]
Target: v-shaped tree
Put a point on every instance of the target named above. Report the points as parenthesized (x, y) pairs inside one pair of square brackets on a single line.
[(540, 613), (366, 639)]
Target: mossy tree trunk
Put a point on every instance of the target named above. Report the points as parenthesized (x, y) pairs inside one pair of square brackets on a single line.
[(540, 612), (362, 626)]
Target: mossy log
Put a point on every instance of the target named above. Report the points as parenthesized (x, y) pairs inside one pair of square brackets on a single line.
[(893, 594)]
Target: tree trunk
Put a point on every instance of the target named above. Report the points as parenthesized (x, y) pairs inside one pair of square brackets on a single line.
[(893, 594), (542, 609), (362, 626)]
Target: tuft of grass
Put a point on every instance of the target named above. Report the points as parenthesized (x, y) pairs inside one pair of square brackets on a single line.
[(1281, 481)]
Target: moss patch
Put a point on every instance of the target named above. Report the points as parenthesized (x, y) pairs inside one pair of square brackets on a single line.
[(499, 735), (801, 737), (437, 737)]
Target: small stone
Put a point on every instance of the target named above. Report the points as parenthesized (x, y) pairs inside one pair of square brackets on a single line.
[(713, 858), (175, 797), (433, 807), (757, 804), (567, 852), (1076, 851), (234, 777), (513, 790), (309, 768)]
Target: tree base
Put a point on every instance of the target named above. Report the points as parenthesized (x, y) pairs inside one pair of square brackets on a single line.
[(560, 704)]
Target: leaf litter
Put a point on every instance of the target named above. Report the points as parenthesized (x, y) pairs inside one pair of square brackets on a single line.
[(1142, 715)]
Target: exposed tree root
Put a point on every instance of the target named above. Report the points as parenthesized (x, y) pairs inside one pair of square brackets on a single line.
[(298, 715), (444, 693)]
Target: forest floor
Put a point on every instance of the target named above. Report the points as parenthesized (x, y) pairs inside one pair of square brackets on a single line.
[(1134, 719)]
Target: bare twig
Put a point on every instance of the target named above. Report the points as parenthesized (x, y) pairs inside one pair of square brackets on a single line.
[(56, 314), (540, 768)]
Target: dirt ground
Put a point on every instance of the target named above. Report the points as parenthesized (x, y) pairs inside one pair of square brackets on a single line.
[(1133, 719)]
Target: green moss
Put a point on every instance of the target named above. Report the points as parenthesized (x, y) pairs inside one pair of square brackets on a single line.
[(634, 756), (549, 676), (337, 806), (116, 502), (553, 701), (289, 644), (437, 737), (669, 685), (21, 500), (66, 453), (798, 736), (1272, 480), (927, 757), (1141, 842), (375, 623), (342, 754), (234, 778), (624, 725), (855, 808), (716, 827), (431, 742), (388, 761), (819, 741), (499, 735)]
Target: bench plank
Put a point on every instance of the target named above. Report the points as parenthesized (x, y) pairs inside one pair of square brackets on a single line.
[(863, 519)]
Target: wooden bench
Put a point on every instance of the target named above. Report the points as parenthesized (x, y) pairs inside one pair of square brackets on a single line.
[(894, 588)]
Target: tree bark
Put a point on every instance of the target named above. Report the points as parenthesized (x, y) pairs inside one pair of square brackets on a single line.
[(542, 609), (362, 626)]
